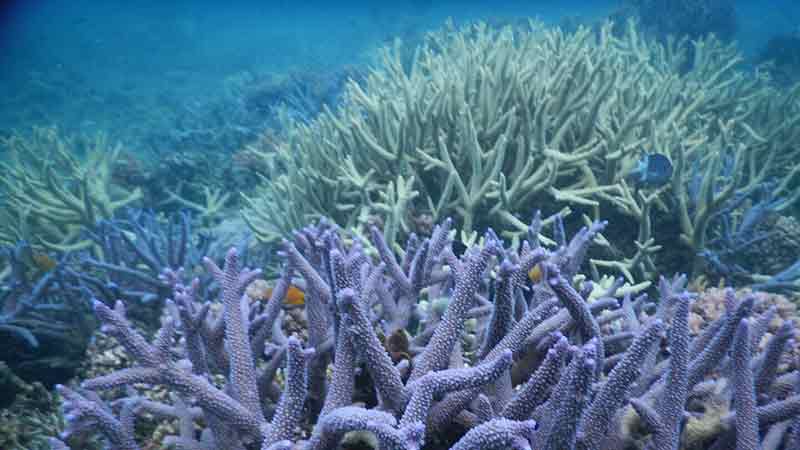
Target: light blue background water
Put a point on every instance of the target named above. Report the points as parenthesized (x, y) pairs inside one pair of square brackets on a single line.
[(120, 59)]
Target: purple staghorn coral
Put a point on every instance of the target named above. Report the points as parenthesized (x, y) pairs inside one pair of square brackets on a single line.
[(130, 255), (492, 359)]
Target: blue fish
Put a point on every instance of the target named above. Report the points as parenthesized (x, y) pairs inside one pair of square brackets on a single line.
[(653, 170)]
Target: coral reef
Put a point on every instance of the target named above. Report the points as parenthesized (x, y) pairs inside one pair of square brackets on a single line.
[(53, 186), (780, 249), (486, 122), (45, 321), (493, 358), (31, 418), (392, 323), (251, 103), (181, 146), (130, 255), (746, 230), (693, 18), (782, 56)]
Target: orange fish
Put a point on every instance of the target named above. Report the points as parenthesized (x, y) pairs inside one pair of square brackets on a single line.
[(294, 296)]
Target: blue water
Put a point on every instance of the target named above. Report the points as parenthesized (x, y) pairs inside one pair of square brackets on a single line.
[(122, 66)]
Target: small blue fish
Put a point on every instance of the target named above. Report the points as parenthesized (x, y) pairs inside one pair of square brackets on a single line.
[(653, 170)]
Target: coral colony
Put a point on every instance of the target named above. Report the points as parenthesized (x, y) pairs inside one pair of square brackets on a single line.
[(488, 122), (493, 360)]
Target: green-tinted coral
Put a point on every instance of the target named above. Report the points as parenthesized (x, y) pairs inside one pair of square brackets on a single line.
[(52, 186), (485, 122)]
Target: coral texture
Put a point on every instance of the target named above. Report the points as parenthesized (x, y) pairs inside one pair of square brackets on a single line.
[(592, 372), (492, 120)]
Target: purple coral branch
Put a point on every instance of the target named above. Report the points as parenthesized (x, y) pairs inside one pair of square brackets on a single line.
[(461, 364)]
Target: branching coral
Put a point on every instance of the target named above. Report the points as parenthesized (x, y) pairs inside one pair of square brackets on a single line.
[(45, 322), (49, 193), (591, 374), (738, 229), (491, 120), (129, 257)]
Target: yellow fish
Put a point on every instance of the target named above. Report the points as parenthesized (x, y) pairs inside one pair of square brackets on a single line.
[(535, 274)]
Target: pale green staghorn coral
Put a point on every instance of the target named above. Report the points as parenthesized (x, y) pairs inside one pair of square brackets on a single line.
[(48, 193), (486, 121)]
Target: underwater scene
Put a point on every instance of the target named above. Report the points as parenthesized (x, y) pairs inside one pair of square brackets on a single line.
[(407, 225)]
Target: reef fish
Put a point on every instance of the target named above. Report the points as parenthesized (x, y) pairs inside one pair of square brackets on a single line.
[(294, 296), (653, 170), (535, 274), (261, 290), (34, 259)]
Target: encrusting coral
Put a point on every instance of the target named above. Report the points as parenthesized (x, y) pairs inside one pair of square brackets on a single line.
[(495, 120), (494, 361)]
